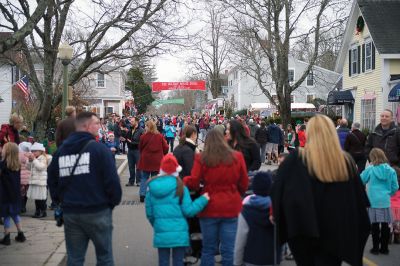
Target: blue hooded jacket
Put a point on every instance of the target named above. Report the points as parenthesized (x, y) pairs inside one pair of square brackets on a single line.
[(274, 134), (95, 184), (255, 239), (167, 215), (381, 181)]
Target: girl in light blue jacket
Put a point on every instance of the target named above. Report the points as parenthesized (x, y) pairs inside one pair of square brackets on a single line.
[(381, 181), (168, 204)]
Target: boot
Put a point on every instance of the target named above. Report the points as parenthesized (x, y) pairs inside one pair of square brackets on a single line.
[(42, 214), (20, 237), (6, 240), (37, 214), (375, 238), (385, 235)]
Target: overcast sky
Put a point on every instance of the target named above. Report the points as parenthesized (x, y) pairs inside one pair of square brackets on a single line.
[(170, 68)]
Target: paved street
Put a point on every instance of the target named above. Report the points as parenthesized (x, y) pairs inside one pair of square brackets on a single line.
[(133, 235), (132, 240)]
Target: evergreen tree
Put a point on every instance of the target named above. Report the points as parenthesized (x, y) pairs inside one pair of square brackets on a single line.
[(141, 91)]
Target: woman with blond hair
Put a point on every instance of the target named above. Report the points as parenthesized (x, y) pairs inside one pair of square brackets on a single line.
[(152, 147), (10, 197), (319, 203), (381, 181), (223, 173)]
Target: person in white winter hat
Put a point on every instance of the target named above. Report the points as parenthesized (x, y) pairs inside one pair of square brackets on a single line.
[(38, 163)]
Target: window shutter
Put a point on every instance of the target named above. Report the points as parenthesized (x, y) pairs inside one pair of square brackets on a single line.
[(363, 58), (350, 63), (358, 61), (373, 55)]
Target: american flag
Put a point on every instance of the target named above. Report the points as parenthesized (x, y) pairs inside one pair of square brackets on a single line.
[(23, 85)]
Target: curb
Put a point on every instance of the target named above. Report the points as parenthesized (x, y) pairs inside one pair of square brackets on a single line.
[(122, 167)]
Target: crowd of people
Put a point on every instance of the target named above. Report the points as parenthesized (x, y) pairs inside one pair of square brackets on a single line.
[(318, 207)]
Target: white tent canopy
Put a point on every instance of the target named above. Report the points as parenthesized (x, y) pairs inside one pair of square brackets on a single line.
[(268, 106), (302, 106), (260, 106)]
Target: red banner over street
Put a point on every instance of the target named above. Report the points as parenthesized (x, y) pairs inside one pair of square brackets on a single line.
[(199, 85)]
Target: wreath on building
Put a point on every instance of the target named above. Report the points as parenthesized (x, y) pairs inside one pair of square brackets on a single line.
[(360, 24)]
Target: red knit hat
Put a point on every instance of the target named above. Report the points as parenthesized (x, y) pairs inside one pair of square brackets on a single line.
[(169, 165)]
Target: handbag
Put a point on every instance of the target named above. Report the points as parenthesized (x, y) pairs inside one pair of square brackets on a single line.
[(58, 211)]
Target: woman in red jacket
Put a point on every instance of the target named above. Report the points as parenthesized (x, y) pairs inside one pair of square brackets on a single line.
[(152, 147), (223, 173)]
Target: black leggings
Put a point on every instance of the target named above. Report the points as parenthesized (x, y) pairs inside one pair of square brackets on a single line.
[(40, 205), (380, 236)]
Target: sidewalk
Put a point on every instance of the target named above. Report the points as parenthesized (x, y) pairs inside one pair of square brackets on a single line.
[(45, 245)]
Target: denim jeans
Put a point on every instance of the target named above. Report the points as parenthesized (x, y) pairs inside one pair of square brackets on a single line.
[(143, 182), (79, 228), (263, 148), (170, 142), (164, 254), (133, 160), (214, 231)]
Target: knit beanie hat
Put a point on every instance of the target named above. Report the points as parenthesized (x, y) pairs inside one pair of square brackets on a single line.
[(37, 147), (262, 183), (25, 146), (169, 165)]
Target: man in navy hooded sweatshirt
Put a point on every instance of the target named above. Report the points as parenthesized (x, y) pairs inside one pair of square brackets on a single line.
[(89, 195)]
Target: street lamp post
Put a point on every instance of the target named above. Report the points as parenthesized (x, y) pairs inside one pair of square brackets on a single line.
[(65, 52)]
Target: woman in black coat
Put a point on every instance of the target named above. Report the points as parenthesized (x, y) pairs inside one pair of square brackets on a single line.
[(186, 150), (319, 203), (238, 140)]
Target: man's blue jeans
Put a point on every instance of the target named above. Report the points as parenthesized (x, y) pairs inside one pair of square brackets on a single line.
[(214, 231), (82, 227), (178, 254), (143, 182), (133, 160)]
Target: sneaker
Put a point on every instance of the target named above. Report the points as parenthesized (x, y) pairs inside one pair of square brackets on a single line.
[(269, 163), (142, 198), (129, 184), (138, 184)]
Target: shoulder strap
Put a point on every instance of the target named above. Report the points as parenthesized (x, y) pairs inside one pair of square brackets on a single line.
[(69, 180), (355, 136)]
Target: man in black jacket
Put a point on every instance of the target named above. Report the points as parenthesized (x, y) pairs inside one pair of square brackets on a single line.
[(386, 136), (133, 139)]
